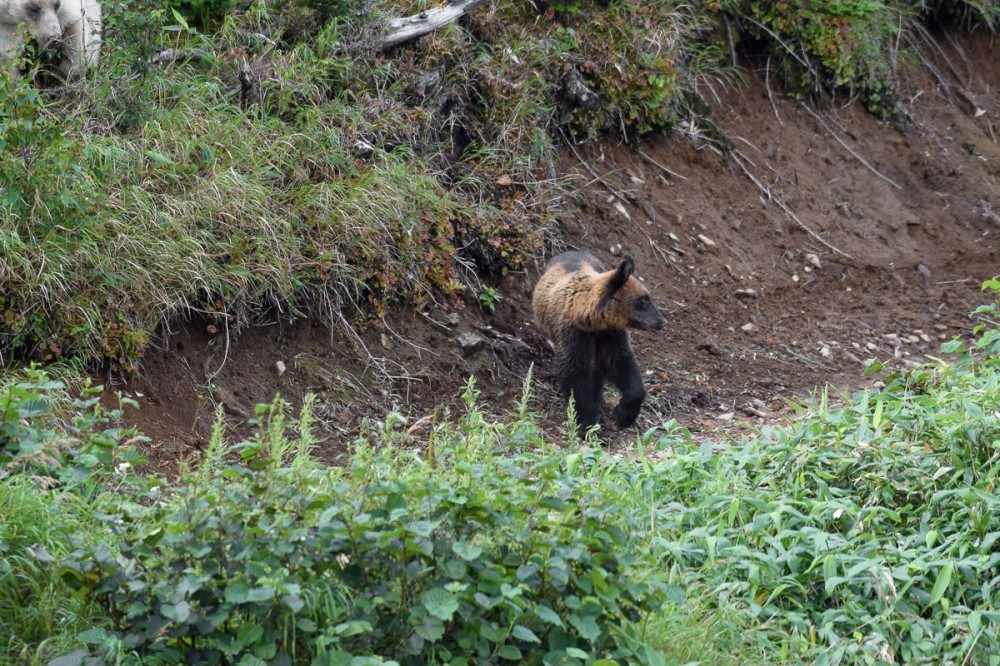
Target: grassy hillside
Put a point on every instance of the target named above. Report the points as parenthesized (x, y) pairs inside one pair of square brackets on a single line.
[(233, 159)]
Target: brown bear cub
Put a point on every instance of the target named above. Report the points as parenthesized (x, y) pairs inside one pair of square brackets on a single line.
[(586, 311)]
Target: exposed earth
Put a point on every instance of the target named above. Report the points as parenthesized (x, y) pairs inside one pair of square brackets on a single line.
[(812, 237)]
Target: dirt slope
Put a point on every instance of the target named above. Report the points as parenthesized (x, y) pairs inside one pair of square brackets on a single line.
[(895, 227)]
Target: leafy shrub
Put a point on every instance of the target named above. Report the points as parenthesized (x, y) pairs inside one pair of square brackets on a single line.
[(34, 438), (481, 561), (44, 185)]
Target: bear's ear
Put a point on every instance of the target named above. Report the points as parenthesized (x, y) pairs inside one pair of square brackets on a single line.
[(622, 273), (619, 278)]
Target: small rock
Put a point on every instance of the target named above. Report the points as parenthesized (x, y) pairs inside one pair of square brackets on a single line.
[(728, 416), (710, 346), (870, 346), (923, 270), (363, 149), (621, 209), (912, 339), (940, 327), (674, 237), (878, 385), (504, 180), (749, 328), (280, 367), (746, 293), (470, 342), (452, 319), (925, 337), (825, 352), (615, 249), (814, 260), (894, 226), (890, 336), (706, 240), (795, 277)]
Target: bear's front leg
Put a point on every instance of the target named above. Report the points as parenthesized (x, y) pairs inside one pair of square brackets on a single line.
[(618, 361), (579, 377)]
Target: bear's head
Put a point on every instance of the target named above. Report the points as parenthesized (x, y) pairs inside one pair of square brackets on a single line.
[(41, 17), (626, 301)]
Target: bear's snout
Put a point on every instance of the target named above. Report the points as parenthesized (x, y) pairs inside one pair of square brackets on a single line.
[(656, 322), (50, 43)]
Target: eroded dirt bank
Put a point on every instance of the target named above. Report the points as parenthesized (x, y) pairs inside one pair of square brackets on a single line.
[(809, 239)]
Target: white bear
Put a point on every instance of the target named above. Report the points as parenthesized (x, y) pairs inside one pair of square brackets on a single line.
[(74, 26)]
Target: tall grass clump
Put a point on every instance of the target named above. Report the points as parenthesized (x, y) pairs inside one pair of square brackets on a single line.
[(59, 456), (40, 617)]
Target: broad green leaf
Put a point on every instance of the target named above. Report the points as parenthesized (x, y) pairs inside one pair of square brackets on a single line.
[(440, 603), (522, 633), (431, 629), (546, 614), (941, 584), (586, 625), (467, 551), (510, 653), (179, 613)]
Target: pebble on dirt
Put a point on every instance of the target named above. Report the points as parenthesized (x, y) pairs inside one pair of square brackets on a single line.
[(470, 342)]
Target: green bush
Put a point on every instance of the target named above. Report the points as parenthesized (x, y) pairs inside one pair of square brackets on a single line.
[(46, 433), (507, 559)]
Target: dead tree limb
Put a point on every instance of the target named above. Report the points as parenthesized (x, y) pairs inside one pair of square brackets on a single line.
[(404, 29)]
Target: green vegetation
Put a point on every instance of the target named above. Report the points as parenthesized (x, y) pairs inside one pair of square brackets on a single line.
[(865, 534), (273, 159)]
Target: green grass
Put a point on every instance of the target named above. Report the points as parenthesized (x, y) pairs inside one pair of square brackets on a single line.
[(39, 616)]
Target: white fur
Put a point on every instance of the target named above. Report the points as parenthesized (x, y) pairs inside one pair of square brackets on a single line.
[(74, 26)]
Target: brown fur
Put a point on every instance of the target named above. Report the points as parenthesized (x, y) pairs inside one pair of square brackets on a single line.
[(586, 311)]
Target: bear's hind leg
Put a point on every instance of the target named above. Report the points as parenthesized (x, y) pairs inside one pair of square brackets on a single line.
[(578, 377), (616, 358)]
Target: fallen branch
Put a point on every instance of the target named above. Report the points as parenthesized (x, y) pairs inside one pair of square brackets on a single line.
[(875, 171), (781, 204), (411, 27), (657, 164)]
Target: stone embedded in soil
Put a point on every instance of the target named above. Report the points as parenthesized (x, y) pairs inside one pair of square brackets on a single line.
[(749, 328), (470, 342), (280, 367), (746, 293)]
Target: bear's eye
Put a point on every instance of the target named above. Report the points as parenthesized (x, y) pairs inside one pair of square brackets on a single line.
[(57, 6), (33, 10)]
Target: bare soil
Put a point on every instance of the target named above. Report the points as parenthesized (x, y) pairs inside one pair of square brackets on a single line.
[(895, 227)]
